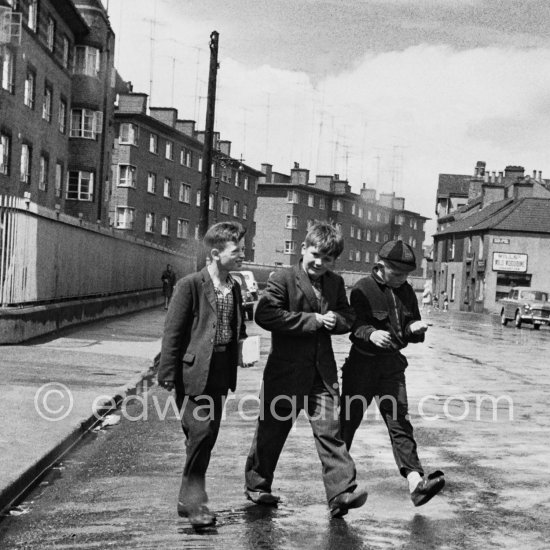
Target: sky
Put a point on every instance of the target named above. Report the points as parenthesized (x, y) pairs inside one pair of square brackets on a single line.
[(389, 93)]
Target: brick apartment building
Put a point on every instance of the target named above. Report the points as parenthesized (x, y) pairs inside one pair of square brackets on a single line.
[(56, 98), (497, 240), (156, 177), (289, 204)]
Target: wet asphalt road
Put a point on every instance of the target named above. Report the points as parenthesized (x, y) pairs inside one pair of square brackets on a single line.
[(478, 395)]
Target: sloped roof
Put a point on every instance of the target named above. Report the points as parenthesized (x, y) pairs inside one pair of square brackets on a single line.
[(525, 215), (453, 184)]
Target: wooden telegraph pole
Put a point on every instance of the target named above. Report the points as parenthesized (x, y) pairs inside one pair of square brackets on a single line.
[(208, 142)]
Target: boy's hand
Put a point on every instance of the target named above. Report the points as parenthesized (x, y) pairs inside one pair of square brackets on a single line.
[(382, 339), (328, 320), (418, 327)]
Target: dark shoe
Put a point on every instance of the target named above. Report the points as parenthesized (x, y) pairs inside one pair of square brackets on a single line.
[(428, 488), (340, 504), (262, 497)]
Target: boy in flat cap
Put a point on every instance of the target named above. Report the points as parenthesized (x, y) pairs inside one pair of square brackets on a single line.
[(387, 320)]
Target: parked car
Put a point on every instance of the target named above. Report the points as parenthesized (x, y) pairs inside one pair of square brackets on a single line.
[(525, 305), (248, 298)]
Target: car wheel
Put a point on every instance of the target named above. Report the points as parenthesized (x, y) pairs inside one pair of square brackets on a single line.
[(536, 327), (503, 319), (517, 321)]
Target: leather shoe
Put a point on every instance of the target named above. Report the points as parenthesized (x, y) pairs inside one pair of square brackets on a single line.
[(262, 497), (199, 515), (428, 488), (340, 504)]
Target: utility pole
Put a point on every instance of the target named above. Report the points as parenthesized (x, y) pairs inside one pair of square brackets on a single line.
[(208, 141)]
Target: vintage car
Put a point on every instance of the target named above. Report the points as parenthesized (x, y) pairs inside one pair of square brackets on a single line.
[(525, 305), (248, 298)]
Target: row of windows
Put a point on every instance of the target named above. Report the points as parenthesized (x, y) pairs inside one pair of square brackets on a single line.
[(129, 135), (401, 220), (125, 219), (337, 205)]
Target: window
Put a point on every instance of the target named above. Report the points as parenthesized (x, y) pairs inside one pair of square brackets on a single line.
[(367, 256), (62, 116), (245, 211), (5, 150), (128, 134), (43, 175), (182, 229), (199, 168), (386, 217), (185, 193), (453, 287), (81, 185), (352, 231), (322, 203), (165, 226), (124, 217), (198, 198), (211, 201), (236, 209), (28, 92), (292, 196), (66, 52), (290, 247), (291, 222), (153, 143), (245, 183), (169, 150), (127, 175), (58, 178), (369, 235), (47, 104), (6, 57), (337, 205), (224, 206), (213, 170), (361, 212), (33, 15), (399, 219), (50, 33), (357, 255), (309, 223), (151, 182), (378, 216), (25, 166), (167, 188), (369, 215), (359, 233), (480, 256), (339, 227), (237, 178), (351, 255), (86, 60), (149, 222), (353, 209), (86, 123), (186, 157), (377, 237)]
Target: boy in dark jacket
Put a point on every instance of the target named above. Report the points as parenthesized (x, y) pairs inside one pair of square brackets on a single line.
[(387, 320)]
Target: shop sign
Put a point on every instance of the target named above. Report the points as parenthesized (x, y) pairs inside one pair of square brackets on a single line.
[(503, 261), (501, 240)]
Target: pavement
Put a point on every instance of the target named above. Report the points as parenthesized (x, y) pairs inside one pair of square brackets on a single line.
[(56, 388)]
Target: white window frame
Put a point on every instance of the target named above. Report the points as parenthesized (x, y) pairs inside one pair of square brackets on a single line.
[(310, 200), (7, 70), (47, 104), (44, 168), (292, 196), (125, 217), (322, 203), (377, 237), (245, 183), (336, 205), (357, 255), (25, 164), (149, 222), (84, 188), (50, 34), (198, 198), (167, 188), (211, 202), (151, 183), (86, 60), (165, 226), (291, 222), (62, 116), (184, 193), (236, 209), (128, 133), (352, 231), (32, 20), (29, 89), (224, 205), (367, 257), (66, 52), (85, 123), (127, 175), (169, 150), (182, 229), (290, 247), (5, 153), (361, 212), (153, 143), (58, 183), (245, 211), (369, 235)]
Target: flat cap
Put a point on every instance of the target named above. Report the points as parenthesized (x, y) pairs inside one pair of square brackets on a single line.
[(398, 254)]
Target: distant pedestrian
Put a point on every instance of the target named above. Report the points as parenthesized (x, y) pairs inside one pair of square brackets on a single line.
[(302, 307), (387, 321), (201, 350), (168, 279), (427, 296), (444, 300)]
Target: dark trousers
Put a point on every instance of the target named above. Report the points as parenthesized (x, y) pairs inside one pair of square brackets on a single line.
[(273, 427), (365, 377), (200, 419)]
